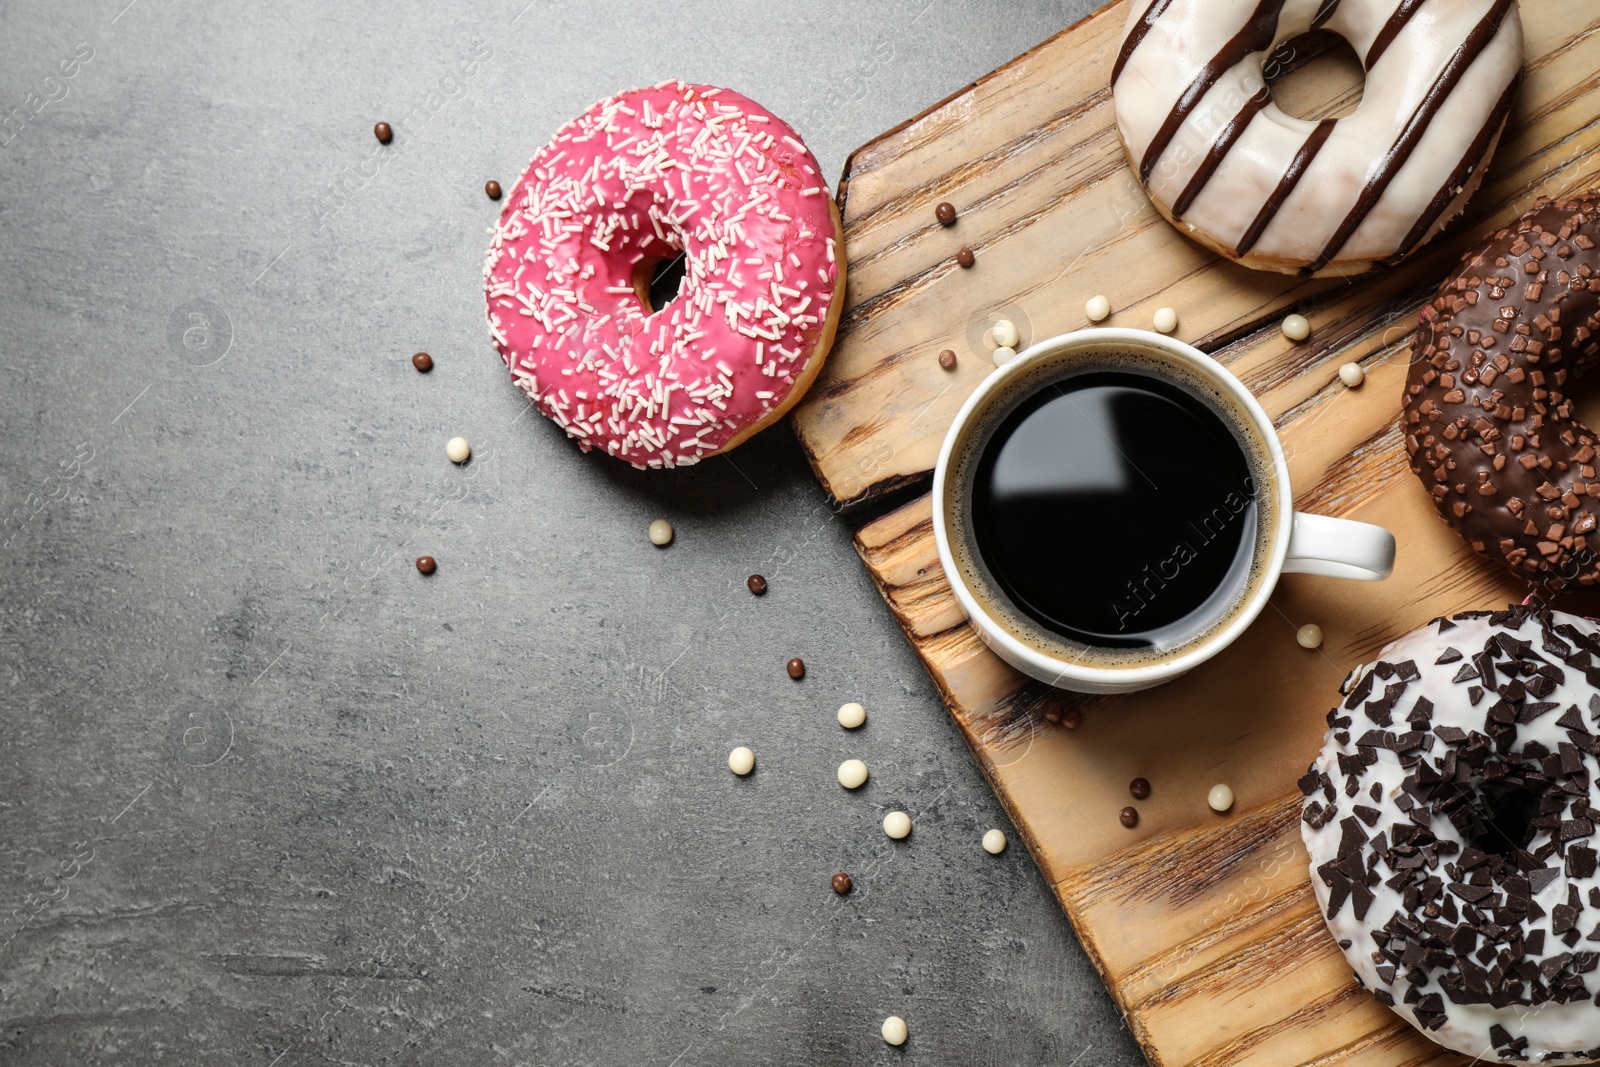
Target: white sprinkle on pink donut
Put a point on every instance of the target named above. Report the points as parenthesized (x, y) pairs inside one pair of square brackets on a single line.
[(634, 181)]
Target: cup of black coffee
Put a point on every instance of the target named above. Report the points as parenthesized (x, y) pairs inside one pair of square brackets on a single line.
[(1113, 508)]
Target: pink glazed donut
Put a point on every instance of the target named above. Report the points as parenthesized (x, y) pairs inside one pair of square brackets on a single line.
[(634, 181)]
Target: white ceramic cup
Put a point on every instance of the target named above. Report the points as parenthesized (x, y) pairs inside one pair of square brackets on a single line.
[(1296, 543)]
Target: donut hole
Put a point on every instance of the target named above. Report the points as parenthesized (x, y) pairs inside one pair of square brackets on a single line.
[(1582, 390), (658, 281), (1506, 815), (1315, 76)]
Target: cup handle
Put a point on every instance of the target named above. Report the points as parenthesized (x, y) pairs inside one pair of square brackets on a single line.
[(1339, 548)]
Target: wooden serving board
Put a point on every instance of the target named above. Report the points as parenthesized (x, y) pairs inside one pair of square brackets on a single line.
[(1203, 926)]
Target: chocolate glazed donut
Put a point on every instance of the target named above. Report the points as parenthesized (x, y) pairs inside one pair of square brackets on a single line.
[(1488, 427)]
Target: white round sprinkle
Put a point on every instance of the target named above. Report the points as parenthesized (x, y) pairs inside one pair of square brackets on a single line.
[(894, 1030), (1002, 356), (1309, 636), (1352, 375), (458, 450), (852, 774), (988, 339), (661, 532), (852, 715), (1165, 321), (1005, 334), (1220, 798), (1098, 308), (897, 824), (994, 842), (741, 761), (1297, 327)]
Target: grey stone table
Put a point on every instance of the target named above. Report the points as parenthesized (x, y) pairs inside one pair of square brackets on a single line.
[(267, 796)]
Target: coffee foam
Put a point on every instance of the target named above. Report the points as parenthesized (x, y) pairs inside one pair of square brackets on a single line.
[(1054, 369)]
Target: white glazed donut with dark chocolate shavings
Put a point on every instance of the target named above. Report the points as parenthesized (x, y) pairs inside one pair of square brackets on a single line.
[(1450, 819)]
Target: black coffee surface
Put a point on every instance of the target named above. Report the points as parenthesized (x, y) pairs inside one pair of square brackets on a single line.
[(1117, 510)]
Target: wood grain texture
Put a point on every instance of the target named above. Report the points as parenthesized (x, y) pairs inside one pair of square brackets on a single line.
[(1204, 926), (1030, 157)]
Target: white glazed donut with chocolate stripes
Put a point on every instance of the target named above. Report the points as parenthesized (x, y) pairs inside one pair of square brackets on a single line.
[(1450, 819), (1232, 170)]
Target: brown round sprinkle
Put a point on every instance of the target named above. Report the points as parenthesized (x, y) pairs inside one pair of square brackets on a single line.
[(756, 584), (383, 132), (427, 564), (1140, 788), (423, 362), (1052, 715), (1129, 817), (966, 258), (492, 187), (1072, 718), (841, 883), (797, 668), (945, 213), (947, 359)]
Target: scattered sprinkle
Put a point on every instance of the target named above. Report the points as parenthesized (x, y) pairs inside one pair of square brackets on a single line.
[(661, 533), (1309, 636), (852, 716), (1140, 788), (966, 258), (1297, 327), (423, 362), (841, 883), (1098, 308), (492, 189), (1352, 375), (994, 842), (1165, 320), (1002, 356), (1220, 798), (796, 668), (756, 584), (741, 761), (1129, 817), (1005, 334), (383, 132), (945, 213), (947, 359), (458, 450), (852, 774), (1072, 718), (894, 1030), (897, 824), (427, 564)]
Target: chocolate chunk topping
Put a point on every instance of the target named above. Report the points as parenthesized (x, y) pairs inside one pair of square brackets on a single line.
[(1515, 802), (1540, 878), (1530, 712), (1580, 862), (1488, 426)]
